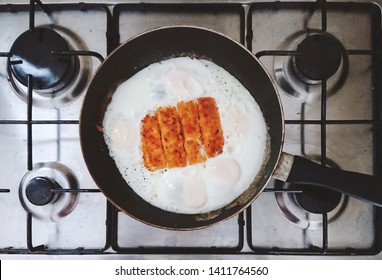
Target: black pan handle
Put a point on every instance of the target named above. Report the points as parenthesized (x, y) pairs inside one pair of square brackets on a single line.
[(303, 171)]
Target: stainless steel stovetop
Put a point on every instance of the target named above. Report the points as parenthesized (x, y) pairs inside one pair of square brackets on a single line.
[(338, 126)]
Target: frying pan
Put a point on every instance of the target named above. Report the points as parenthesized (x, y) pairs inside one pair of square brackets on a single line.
[(167, 42)]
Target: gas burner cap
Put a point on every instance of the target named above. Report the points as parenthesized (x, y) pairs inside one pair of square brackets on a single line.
[(57, 78), (305, 208), (33, 51), (320, 58), (317, 200), (38, 191)]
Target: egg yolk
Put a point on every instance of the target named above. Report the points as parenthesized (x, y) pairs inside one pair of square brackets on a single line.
[(181, 84), (122, 133), (195, 193), (224, 171)]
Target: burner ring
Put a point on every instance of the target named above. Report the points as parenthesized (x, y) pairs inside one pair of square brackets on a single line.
[(317, 200), (292, 81), (52, 175), (320, 58), (32, 51), (296, 207), (39, 191), (68, 89)]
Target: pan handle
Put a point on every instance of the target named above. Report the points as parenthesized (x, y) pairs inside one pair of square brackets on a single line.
[(298, 170)]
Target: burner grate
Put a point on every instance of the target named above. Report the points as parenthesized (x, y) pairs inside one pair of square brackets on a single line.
[(375, 122), (30, 123), (238, 225), (243, 230)]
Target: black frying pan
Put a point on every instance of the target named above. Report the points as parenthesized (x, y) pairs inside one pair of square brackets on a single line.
[(168, 42)]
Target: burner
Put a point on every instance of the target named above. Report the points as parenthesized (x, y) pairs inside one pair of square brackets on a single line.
[(305, 208), (320, 59), (33, 50), (37, 193), (57, 78), (317, 200)]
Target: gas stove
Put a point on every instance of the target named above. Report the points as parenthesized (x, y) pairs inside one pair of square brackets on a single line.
[(325, 58)]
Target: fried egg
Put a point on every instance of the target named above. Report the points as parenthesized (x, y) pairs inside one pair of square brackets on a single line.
[(201, 187)]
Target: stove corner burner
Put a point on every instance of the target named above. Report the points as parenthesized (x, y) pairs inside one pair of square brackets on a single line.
[(31, 55), (305, 207), (317, 200), (42, 52), (319, 56), (48, 191)]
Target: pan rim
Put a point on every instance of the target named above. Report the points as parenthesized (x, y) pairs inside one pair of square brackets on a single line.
[(243, 206)]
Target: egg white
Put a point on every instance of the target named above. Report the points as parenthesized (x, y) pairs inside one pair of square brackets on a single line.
[(197, 188)]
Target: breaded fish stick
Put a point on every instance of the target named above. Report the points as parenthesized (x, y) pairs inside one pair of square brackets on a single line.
[(188, 114), (153, 154), (210, 126), (172, 137)]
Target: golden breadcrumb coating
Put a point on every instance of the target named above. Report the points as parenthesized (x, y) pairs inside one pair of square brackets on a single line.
[(210, 126), (172, 137), (188, 114), (189, 133), (153, 154)]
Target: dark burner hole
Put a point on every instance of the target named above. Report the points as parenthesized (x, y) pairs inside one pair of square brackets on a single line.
[(39, 191), (317, 200), (320, 59), (33, 49)]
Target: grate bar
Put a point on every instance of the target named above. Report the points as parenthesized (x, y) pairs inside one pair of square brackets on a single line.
[(324, 15), (75, 191), (30, 246), (32, 10), (325, 241), (40, 122), (323, 119), (276, 53), (273, 190), (29, 124), (79, 53), (334, 122), (363, 52)]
